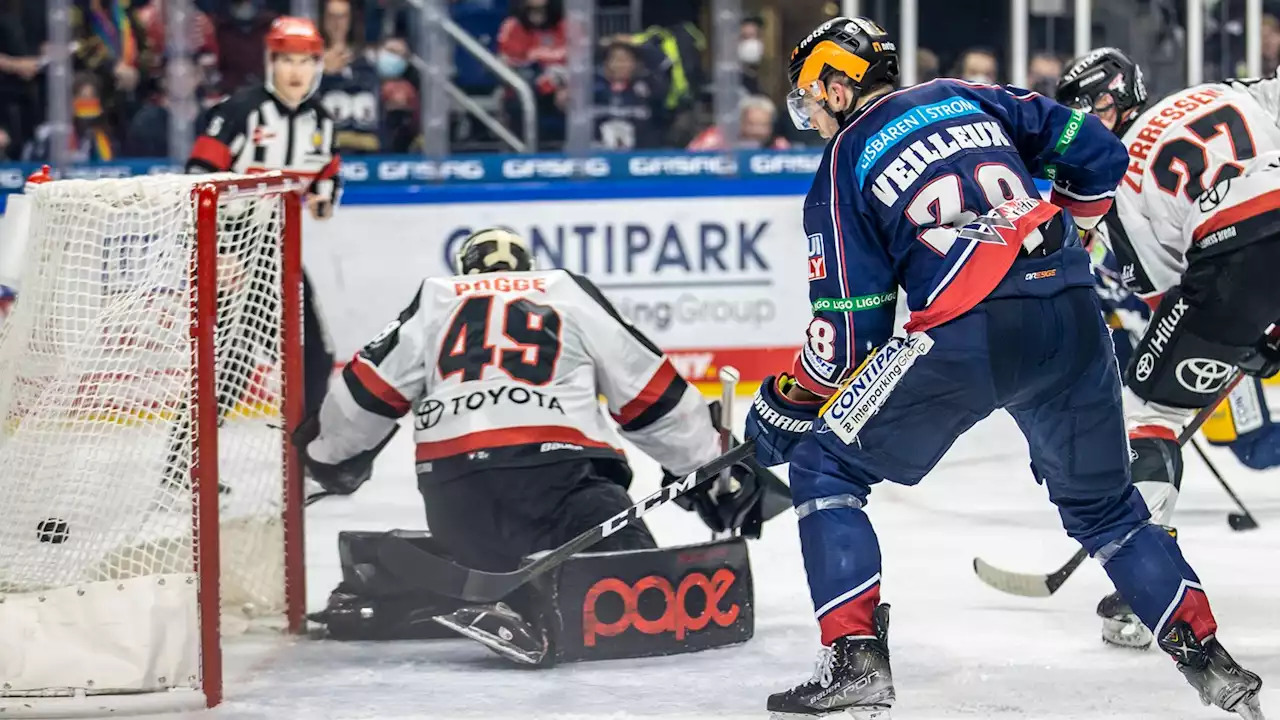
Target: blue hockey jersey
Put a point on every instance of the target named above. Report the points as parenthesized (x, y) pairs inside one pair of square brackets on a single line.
[(898, 182)]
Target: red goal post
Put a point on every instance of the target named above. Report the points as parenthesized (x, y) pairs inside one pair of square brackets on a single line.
[(152, 362)]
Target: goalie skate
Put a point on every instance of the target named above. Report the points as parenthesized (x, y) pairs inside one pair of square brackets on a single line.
[(852, 676), (500, 629), (1220, 681)]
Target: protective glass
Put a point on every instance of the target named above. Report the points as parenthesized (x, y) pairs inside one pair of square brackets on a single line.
[(803, 102)]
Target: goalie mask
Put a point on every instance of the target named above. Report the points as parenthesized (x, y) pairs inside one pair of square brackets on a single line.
[(492, 250)]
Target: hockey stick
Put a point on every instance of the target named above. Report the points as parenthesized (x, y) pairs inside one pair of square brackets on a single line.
[(1027, 584), (1034, 585), (317, 496), (728, 391), (1243, 520), (430, 573)]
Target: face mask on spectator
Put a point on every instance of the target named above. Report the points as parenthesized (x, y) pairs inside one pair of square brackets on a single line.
[(86, 108), (243, 11), (751, 51), (981, 79), (390, 65)]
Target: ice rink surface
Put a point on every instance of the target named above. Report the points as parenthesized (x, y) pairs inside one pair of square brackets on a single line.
[(959, 649)]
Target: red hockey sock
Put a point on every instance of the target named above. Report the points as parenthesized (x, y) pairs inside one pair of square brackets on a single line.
[(1195, 611), (852, 617)]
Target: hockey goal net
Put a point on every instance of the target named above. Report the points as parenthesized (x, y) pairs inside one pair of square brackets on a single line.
[(149, 500)]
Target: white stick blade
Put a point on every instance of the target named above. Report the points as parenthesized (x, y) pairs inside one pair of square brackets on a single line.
[(1024, 584)]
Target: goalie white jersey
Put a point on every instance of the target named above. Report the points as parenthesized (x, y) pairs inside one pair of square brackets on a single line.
[(505, 369), (1200, 180)]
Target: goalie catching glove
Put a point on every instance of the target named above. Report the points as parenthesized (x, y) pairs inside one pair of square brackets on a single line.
[(738, 509), (776, 422), (345, 477)]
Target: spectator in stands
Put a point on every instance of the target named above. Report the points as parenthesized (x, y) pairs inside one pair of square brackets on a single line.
[(532, 42), (342, 26), (153, 18), (625, 104), (927, 65), (393, 60), (400, 132), (350, 88), (147, 135), (109, 42), (22, 40), (91, 138), (242, 32), (977, 65), (1043, 72), (1270, 44), (757, 118), (751, 52)]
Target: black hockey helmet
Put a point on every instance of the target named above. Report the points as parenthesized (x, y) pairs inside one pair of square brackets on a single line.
[(1102, 79), (495, 249), (855, 47)]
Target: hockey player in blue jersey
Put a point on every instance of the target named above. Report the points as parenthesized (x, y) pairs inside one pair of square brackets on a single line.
[(930, 189)]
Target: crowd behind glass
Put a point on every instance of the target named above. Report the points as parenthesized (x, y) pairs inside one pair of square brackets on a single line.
[(652, 88)]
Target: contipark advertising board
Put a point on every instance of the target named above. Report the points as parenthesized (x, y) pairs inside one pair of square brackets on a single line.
[(712, 280)]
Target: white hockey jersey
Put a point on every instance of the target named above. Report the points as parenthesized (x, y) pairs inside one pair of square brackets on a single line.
[(1201, 179), (505, 370)]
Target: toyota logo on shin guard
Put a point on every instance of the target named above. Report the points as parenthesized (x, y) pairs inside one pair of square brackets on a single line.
[(1203, 375)]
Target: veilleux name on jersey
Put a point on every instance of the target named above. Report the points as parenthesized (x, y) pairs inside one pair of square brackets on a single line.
[(913, 160)]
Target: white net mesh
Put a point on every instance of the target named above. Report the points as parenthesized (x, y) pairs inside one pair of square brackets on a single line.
[(96, 373)]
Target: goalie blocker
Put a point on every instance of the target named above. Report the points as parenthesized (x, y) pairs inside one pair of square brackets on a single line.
[(596, 606)]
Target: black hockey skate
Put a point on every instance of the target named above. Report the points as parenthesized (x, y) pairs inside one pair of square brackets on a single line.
[(1220, 681), (1120, 626), (500, 629), (851, 676)]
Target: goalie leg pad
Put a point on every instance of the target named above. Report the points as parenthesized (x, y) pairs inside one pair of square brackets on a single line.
[(1174, 365)]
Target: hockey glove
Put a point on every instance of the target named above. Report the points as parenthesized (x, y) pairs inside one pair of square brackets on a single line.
[(1263, 360), (738, 509), (776, 422), (345, 477)]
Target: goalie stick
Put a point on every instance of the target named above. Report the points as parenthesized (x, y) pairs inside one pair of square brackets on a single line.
[(425, 572), (1035, 585)]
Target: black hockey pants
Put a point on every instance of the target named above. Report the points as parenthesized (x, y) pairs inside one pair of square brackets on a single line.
[(491, 519)]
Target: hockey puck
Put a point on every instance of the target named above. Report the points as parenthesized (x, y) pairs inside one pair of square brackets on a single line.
[(53, 531), (1241, 522)]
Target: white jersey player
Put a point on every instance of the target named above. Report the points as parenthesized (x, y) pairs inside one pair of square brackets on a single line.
[(502, 367), (1196, 233)]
